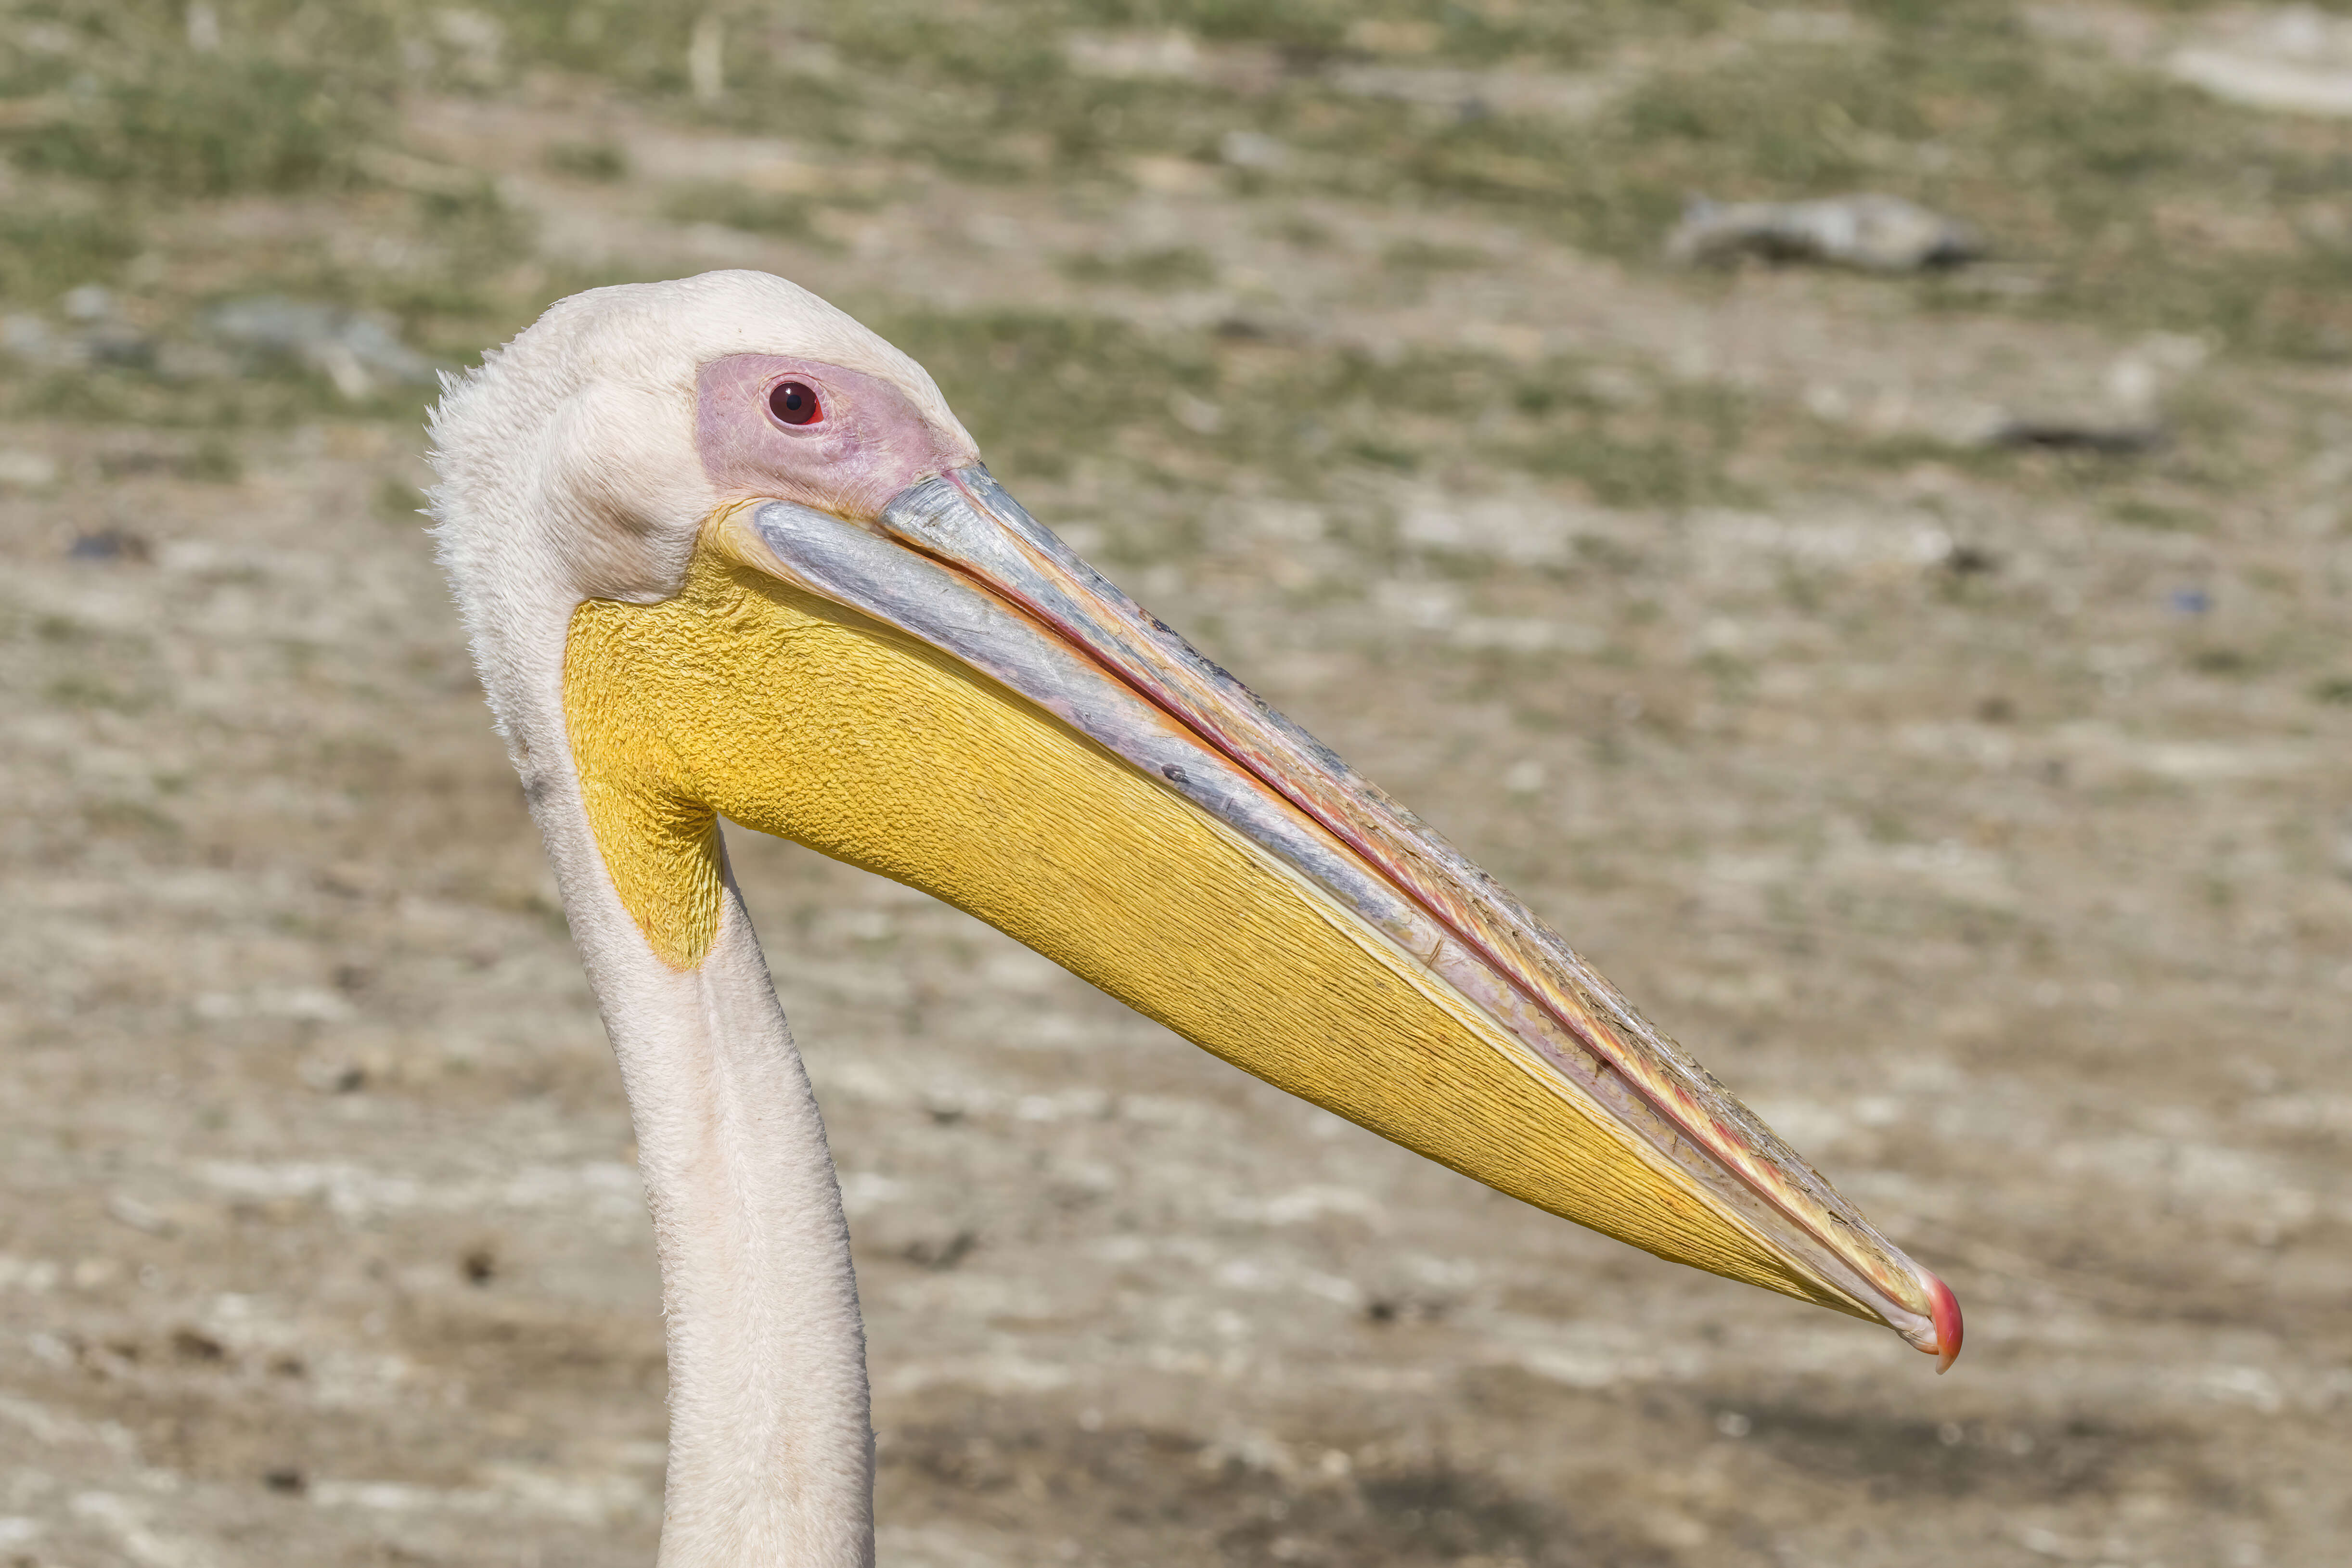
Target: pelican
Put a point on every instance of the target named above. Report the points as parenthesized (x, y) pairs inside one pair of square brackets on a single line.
[(723, 551)]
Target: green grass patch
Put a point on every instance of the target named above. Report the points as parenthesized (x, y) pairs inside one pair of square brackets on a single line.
[(1419, 258), (2140, 202), (1038, 390), (399, 503), (601, 161), (214, 460), (128, 819), (1041, 391), (89, 691), (275, 400), (2135, 511), (1299, 229), (738, 207), (1175, 267), (208, 126), (1673, 453), (43, 254)]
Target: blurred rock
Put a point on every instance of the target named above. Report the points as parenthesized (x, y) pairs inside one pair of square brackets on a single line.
[(26, 336), (1126, 57), (101, 340), (90, 303), (1472, 95), (475, 42), (1172, 55), (2297, 59), (1253, 149), (2117, 439), (110, 544), (26, 471), (356, 350), (2124, 418), (124, 1209), (1872, 233), (111, 343)]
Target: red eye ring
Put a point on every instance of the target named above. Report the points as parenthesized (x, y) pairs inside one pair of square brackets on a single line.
[(794, 402)]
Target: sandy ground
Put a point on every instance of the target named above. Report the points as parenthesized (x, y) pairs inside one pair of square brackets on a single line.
[(1987, 835)]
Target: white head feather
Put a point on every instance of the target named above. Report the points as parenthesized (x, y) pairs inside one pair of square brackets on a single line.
[(568, 463)]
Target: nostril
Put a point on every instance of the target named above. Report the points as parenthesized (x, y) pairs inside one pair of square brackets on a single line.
[(794, 402)]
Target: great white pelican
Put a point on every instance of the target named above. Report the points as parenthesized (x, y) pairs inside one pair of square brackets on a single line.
[(721, 550)]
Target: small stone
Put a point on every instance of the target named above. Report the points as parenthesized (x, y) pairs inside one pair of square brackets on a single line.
[(356, 350), (27, 470), (1866, 231), (110, 544), (90, 303), (1253, 149)]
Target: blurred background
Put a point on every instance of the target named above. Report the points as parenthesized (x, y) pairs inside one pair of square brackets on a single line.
[(1901, 640)]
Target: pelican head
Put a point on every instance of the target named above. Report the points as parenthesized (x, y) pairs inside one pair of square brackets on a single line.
[(722, 552)]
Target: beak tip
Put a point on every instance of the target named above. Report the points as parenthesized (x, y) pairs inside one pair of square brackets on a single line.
[(1944, 1308)]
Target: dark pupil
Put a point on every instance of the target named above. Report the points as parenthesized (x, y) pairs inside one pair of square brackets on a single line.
[(792, 402)]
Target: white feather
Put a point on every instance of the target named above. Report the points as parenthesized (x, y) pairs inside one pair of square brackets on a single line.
[(568, 471)]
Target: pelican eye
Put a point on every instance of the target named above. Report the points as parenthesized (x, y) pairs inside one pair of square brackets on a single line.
[(794, 402)]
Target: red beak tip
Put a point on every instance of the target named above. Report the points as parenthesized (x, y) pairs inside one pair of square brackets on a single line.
[(1944, 1308)]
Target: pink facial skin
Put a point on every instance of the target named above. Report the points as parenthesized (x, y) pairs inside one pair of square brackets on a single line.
[(871, 442)]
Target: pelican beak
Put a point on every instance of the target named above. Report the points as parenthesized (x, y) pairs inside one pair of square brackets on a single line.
[(948, 695)]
